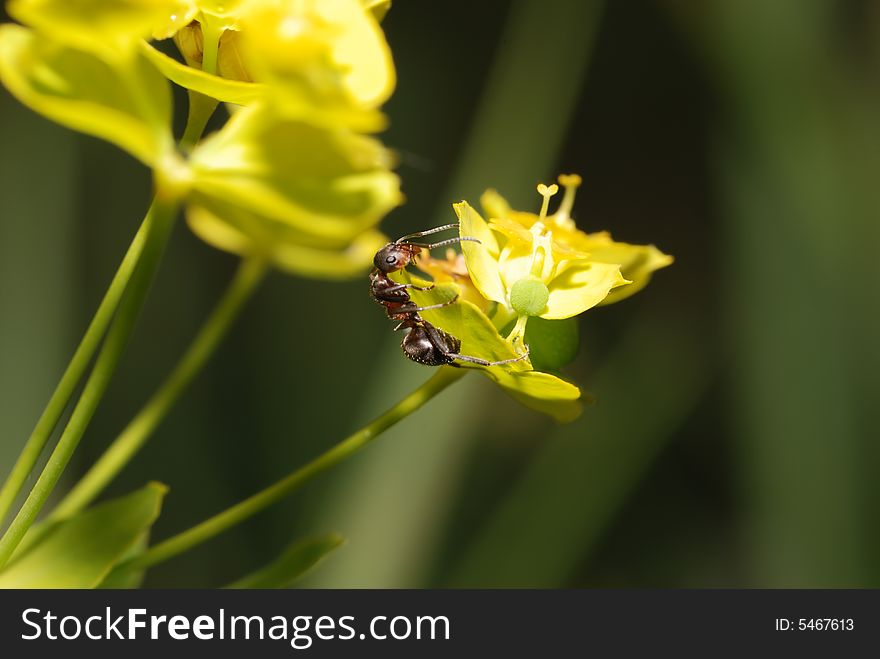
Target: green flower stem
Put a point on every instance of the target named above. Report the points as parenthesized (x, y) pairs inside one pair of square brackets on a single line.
[(198, 534), (163, 214), (250, 273), (211, 33), (74, 371), (201, 108)]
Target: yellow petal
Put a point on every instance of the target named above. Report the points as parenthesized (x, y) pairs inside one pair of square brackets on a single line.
[(228, 91), (378, 8), (515, 263), (363, 51), (77, 89), (230, 64), (481, 258), (580, 286), (321, 54), (246, 234), (178, 16), (494, 205), (511, 230), (452, 269), (541, 391), (228, 9), (332, 184), (637, 263), (107, 28)]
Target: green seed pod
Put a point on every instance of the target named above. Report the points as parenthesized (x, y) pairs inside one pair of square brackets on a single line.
[(529, 296)]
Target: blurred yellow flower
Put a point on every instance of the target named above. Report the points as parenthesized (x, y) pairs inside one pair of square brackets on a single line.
[(323, 61), (111, 29), (306, 198)]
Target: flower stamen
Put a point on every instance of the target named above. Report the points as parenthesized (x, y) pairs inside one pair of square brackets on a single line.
[(546, 191), (570, 182)]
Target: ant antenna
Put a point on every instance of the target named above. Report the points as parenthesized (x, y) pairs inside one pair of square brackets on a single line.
[(419, 234), (443, 243)]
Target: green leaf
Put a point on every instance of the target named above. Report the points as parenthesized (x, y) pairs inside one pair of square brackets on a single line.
[(296, 560), (479, 337), (541, 392), (128, 579), (328, 184), (227, 91), (78, 90), (79, 552)]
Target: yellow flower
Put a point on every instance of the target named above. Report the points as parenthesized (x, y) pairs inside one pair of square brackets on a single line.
[(110, 29), (324, 61), (453, 269), (297, 188), (303, 196), (543, 265)]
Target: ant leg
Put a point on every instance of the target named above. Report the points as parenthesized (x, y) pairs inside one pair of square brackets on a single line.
[(400, 287), (483, 362), (432, 306)]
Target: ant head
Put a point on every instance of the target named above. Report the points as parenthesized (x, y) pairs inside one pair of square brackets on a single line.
[(395, 256)]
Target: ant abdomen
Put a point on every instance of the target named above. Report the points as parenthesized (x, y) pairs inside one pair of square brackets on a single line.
[(420, 346)]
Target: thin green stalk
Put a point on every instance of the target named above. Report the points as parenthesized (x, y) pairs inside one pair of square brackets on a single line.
[(211, 33), (274, 493), (201, 108), (250, 273), (74, 371), (163, 213)]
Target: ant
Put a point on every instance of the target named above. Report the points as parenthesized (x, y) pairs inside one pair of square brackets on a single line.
[(423, 343)]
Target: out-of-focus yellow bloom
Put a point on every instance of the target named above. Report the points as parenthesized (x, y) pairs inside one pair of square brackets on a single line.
[(292, 192), (221, 14), (542, 265), (321, 57), (378, 8), (108, 28), (324, 61), (129, 105), (286, 178)]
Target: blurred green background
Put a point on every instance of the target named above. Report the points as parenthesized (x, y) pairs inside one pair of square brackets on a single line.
[(734, 437)]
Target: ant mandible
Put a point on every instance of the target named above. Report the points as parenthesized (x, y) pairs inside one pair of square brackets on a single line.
[(424, 343)]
